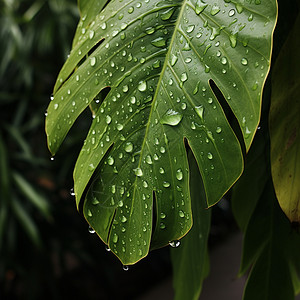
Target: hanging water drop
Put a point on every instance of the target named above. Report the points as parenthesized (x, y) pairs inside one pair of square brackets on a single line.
[(110, 160), (72, 193), (91, 230), (175, 244)]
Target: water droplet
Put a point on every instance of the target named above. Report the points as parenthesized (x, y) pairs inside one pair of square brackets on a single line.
[(119, 127), (55, 106), (103, 26), (142, 86), (162, 225), (91, 230), (52, 158), (128, 147), (250, 18), (162, 215), (162, 149), (231, 13), (110, 160), (209, 155), (181, 214), (244, 61), (179, 174), (91, 34), (91, 167), (125, 88), (233, 40), (207, 69), (159, 42), (161, 170), (150, 30), (174, 59), (224, 60), (174, 244), (123, 219), (72, 193), (184, 77), (214, 10), (183, 105), (89, 213), (125, 268), (115, 238), (130, 9), (166, 15), (171, 117), (200, 110), (239, 7), (166, 184), (138, 172), (92, 61), (190, 28), (149, 160), (200, 6), (218, 130)]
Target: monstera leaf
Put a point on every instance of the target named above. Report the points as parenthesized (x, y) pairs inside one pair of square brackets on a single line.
[(150, 71)]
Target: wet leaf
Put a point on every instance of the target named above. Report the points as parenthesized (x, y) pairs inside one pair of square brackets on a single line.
[(159, 61)]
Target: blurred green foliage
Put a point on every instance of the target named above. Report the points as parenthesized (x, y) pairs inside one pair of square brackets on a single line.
[(46, 251)]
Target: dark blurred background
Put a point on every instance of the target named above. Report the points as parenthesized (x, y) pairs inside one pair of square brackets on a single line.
[(46, 251)]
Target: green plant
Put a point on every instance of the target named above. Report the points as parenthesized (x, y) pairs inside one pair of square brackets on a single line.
[(174, 86)]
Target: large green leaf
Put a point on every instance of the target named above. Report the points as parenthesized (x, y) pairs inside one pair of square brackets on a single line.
[(285, 126), (159, 60), (271, 246)]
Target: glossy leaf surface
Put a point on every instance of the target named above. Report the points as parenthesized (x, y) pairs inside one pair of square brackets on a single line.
[(285, 126), (159, 59)]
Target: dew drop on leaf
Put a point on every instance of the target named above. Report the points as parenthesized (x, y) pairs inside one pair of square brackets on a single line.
[(92, 61), (142, 86), (115, 238), (200, 110), (181, 214), (166, 15), (200, 6), (110, 160), (244, 61), (171, 117), (149, 160), (150, 30), (209, 155), (174, 59), (128, 147), (214, 10), (233, 40), (159, 42), (179, 174), (166, 184), (138, 172)]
